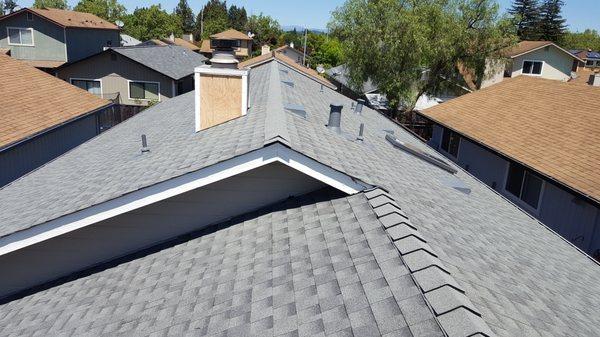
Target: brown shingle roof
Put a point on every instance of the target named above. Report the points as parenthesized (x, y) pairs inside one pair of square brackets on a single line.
[(525, 47), (205, 47), (44, 63), (583, 76), (70, 19), (288, 61), (33, 101), (231, 34), (186, 44), (551, 126)]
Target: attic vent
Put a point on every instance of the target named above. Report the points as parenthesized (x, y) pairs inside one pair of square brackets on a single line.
[(296, 109), (420, 154)]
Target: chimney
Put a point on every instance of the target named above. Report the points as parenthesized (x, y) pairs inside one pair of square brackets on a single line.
[(335, 117), (265, 49), (221, 88), (188, 37), (292, 45), (172, 37)]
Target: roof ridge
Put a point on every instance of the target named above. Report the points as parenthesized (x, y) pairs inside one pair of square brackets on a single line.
[(454, 312), (275, 120)]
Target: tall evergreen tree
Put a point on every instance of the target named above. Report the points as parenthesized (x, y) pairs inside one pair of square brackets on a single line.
[(552, 26), (9, 6), (212, 19), (527, 17), (186, 15), (237, 17)]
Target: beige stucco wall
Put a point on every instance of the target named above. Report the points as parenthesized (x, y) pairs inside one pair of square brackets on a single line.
[(557, 64), (114, 76)]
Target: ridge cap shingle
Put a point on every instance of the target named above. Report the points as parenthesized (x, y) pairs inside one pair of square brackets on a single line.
[(275, 123), (445, 297)]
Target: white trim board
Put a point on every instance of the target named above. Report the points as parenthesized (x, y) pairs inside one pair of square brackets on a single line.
[(179, 185)]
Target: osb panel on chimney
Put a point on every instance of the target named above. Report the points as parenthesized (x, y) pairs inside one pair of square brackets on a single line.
[(220, 99)]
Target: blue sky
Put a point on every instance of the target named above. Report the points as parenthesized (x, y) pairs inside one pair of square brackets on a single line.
[(580, 14)]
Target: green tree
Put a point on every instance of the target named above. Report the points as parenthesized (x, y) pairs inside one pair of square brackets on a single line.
[(60, 4), (212, 19), (328, 53), (9, 6), (552, 25), (291, 37), (186, 16), (526, 14), (151, 22), (110, 10), (237, 17), (588, 39), (410, 48), (266, 30)]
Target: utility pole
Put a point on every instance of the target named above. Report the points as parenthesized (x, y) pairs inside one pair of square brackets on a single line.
[(304, 56), (201, 24)]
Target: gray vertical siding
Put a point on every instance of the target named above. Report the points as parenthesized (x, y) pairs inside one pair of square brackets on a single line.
[(48, 39), (85, 42), (149, 225), (114, 74), (29, 155), (574, 218)]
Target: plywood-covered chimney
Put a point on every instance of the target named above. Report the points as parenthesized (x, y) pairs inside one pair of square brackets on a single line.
[(221, 90)]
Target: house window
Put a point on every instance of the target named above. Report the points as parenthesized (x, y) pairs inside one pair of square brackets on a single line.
[(450, 142), (524, 184), (29, 16), (20, 36), (532, 67), (589, 63), (144, 90), (91, 86)]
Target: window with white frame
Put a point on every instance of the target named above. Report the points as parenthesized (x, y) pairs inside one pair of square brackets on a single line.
[(144, 90), (450, 142), (20, 36), (524, 184), (29, 16), (532, 67), (92, 86)]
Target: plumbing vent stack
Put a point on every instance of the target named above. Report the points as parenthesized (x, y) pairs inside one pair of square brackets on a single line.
[(335, 117), (145, 147), (359, 106), (361, 132)]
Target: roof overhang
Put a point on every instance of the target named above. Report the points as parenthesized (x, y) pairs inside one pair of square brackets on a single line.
[(544, 46), (134, 200)]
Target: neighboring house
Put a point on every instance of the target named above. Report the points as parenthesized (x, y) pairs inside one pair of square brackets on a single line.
[(272, 219), (135, 75), (48, 38), (174, 41), (340, 77), (244, 43), (532, 58), (129, 41), (590, 59), (41, 117), (535, 141)]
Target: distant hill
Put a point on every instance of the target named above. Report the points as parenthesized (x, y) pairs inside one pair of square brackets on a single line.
[(301, 28)]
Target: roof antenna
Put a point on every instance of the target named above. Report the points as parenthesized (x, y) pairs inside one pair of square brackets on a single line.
[(145, 147), (361, 132)]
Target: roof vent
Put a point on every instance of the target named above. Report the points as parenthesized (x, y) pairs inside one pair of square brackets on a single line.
[(420, 154), (335, 117), (145, 147), (595, 80), (224, 53), (359, 106), (361, 132)]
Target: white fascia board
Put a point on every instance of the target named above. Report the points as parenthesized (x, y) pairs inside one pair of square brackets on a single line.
[(179, 185)]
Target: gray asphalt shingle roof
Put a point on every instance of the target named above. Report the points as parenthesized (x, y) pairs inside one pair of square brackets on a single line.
[(470, 253), (340, 74), (316, 265), (173, 61)]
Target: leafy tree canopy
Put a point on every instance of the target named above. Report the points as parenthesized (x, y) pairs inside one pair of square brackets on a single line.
[(327, 51), (552, 26), (266, 30), (110, 10), (212, 19), (152, 22), (588, 39), (60, 4), (408, 48), (186, 16)]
